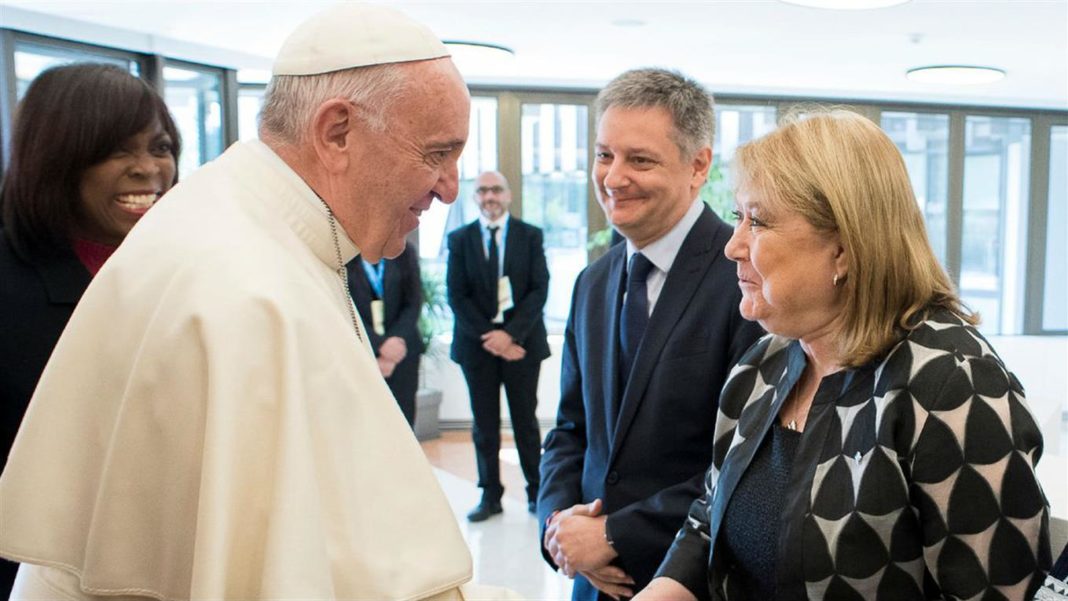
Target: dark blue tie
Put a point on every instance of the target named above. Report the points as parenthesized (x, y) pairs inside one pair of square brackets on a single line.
[(635, 313), (493, 259)]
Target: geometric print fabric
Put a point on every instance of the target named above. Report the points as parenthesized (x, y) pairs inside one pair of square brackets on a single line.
[(920, 480)]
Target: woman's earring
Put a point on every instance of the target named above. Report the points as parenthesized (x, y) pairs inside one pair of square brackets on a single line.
[(835, 280)]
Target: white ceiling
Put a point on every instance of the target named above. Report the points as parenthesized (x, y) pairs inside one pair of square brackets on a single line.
[(733, 46)]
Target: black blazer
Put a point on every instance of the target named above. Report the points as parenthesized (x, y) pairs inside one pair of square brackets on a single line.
[(402, 292), (37, 299), (648, 465), (473, 291)]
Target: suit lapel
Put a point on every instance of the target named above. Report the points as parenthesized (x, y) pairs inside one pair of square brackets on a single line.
[(511, 246), (613, 293), (685, 277), (485, 285)]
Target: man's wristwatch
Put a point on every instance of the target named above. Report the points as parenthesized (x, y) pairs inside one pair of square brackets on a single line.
[(608, 535)]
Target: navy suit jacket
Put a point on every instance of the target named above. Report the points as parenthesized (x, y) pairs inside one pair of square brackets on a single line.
[(647, 460), (473, 291)]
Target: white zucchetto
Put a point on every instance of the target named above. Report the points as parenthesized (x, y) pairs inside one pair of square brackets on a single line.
[(355, 34)]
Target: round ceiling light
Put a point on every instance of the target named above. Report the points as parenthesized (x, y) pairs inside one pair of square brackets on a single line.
[(846, 4), (955, 75)]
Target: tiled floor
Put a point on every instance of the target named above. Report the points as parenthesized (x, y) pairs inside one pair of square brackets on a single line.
[(505, 548)]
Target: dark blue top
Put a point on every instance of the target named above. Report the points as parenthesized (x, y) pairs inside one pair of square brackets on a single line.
[(751, 523)]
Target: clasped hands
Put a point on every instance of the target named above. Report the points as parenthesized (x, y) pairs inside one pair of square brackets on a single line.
[(500, 344), (392, 351), (575, 539)]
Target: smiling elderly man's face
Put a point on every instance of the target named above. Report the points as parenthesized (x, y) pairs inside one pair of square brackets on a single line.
[(398, 172)]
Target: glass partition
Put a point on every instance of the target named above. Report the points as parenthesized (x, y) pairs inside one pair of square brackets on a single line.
[(249, 103), (32, 59), (997, 159), (923, 140), (735, 125), (1055, 294), (194, 97), (554, 141)]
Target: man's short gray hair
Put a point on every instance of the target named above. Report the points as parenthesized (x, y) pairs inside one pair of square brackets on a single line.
[(291, 100), (690, 105)]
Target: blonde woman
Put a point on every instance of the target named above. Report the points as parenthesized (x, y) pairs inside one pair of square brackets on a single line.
[(873, 445)]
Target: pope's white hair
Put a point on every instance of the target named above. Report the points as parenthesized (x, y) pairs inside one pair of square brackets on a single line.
[(290, 101)]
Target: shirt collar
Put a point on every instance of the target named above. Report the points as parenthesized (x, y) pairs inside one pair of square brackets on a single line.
[(486, 223), (662, 252)]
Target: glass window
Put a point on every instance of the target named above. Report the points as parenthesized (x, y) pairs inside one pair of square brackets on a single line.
[(32, 59), (1055, 295), (249, 103), (735, 125), (994, 231), (923, 140), (194, 97), (554, 142)]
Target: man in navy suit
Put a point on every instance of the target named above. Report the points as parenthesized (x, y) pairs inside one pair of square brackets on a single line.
[(653, 332), (497, 284), (389, 297)]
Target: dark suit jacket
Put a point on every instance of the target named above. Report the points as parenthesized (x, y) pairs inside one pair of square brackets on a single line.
[(36, 302), (473, 292), (402, 293), (647, 465)]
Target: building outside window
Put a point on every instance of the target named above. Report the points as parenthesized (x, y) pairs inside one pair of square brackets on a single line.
[(194, 97), (1055, 289), (31, 59), (997, 161), (735, 125), (923, 140), (555, 164)]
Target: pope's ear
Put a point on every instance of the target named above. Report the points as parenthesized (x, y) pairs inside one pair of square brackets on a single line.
[(330, 128)]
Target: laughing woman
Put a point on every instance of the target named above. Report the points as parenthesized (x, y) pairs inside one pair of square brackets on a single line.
[(93, 149), (873, 445)]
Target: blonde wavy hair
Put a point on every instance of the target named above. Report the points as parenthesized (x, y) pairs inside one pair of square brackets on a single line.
[(843, 174)]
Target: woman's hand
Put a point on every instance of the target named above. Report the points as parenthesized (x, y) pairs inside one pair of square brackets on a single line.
[(665, 589)]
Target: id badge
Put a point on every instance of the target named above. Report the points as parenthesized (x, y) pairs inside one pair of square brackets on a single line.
[(504, 298), (378, 317)]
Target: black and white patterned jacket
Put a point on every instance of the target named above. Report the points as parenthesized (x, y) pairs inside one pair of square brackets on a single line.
[(914, 477)]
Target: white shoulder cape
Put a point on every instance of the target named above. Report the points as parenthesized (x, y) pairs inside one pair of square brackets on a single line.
[(209, 426)]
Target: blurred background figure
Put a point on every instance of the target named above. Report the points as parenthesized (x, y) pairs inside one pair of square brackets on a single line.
[(389, 297), (498, 281), (863, 444), (93, 149)]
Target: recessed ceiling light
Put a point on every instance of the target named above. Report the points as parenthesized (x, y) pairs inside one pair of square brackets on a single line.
[(846, 4), (956, 75), (628, 22)]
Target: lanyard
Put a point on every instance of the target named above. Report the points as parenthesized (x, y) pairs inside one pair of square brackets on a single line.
[(374, 275)]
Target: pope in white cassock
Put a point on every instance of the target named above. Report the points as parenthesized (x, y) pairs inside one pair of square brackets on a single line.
[(213, 424)]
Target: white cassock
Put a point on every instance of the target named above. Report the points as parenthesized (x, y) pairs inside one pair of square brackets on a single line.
[(209, 426)]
